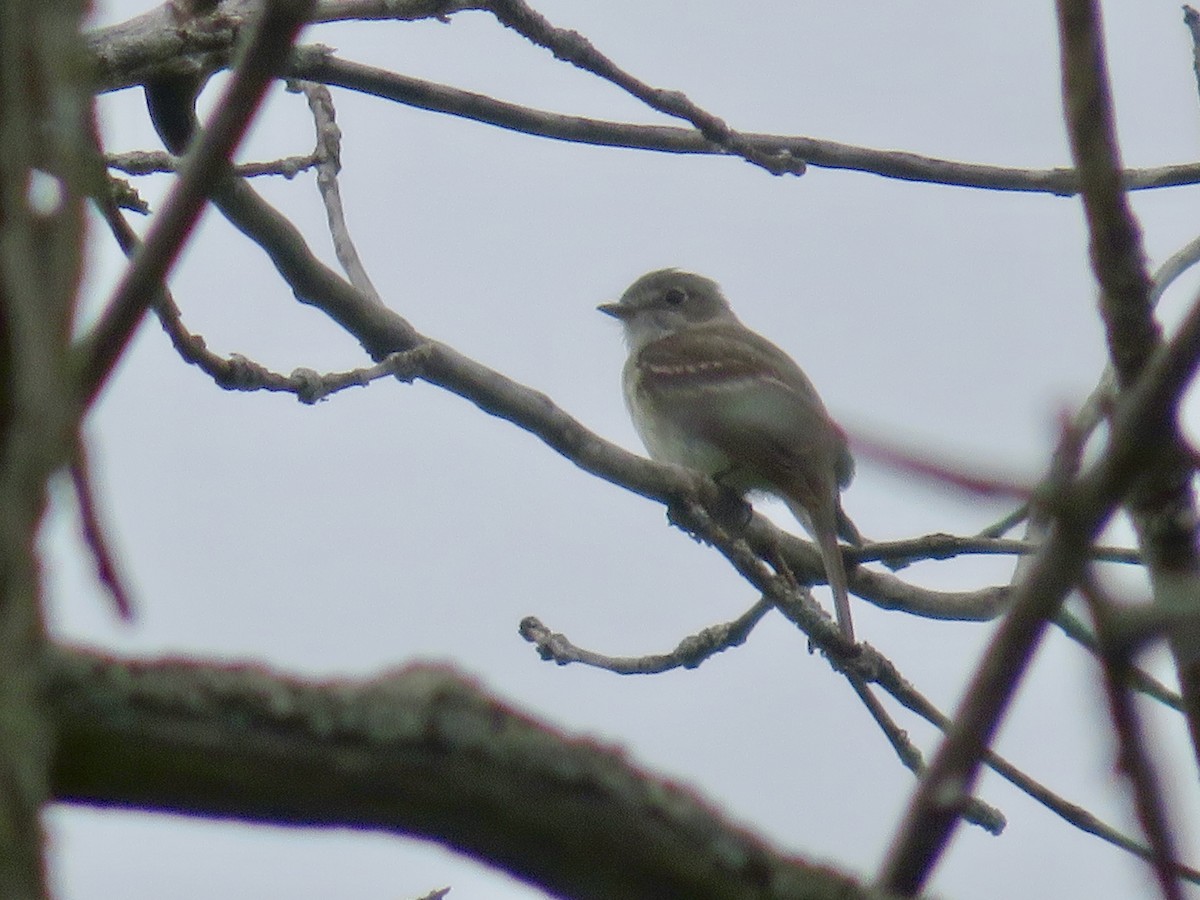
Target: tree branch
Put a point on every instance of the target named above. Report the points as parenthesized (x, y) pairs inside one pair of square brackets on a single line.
[(152, 45), (1133, 759), (574, 48), (690, 652), (422, 752), (318, 64), (275, 29), (1161, 503), (1139, 428)]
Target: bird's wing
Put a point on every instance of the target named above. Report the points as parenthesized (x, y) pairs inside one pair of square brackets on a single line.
[(743, 394)]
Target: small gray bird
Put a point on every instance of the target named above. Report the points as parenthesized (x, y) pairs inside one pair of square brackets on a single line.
[(708, 393)]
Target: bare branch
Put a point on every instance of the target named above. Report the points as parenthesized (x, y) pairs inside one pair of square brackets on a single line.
[(329, 154), (151, 162), (690, 653), (870, 666), (864, 663), (1140, 425), (1161, 503), (1192, 19), (275, 30), (94, 535), (574, 48), (947, 546), (1138, 679), (318, 64), (1134, 760), (135, 51), (1116, 244), (1142, 437)]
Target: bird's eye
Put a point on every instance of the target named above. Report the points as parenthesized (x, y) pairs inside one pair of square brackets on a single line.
[(674, 296)]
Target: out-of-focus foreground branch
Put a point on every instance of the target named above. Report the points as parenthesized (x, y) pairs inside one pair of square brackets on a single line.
[(422, 752), (1142, 466), (43, 184)]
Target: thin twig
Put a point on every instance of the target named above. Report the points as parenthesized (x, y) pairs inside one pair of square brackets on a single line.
[(1192, 19), (975, 810), (574, 48), (1134, 759), (946, 546), (153, 162), (94, 535), (690, 653), (1006, 524), (237, 372), (1073, 628), (329, 155)]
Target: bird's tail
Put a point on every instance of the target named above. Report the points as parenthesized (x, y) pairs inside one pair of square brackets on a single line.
[(823, 524)]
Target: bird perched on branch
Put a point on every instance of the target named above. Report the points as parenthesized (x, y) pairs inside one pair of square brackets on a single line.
[(706, 392)]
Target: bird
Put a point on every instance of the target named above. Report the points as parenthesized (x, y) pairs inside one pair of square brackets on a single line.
[(708, 393)]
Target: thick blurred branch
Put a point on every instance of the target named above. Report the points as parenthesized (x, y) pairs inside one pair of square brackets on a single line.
[(1142, 439), (1080, 511), (43, 182), (421, 752), (1161, 501), (1134, 759)]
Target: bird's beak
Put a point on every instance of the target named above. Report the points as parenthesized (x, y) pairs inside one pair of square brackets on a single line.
[(616, 310)]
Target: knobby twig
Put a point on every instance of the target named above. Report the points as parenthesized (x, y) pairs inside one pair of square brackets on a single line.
[(690, 653), (153, 162), (329, 154), (574, 48), (266, 50)]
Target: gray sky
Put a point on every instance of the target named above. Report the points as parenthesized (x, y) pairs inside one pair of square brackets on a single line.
[(398, 523)]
